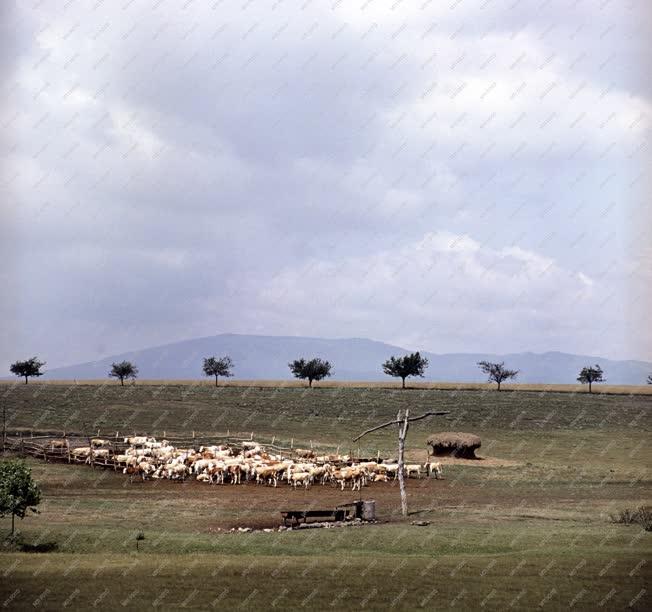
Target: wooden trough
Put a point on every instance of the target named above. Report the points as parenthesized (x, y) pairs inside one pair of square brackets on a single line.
[(297, 516), (364, 510)]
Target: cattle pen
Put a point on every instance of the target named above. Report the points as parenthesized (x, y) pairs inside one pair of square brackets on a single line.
[(215, 459), (44, 446)]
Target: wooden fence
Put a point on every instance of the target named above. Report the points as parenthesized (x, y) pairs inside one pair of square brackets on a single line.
[(42, 447)]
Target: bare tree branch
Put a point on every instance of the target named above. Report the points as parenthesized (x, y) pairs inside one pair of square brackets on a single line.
[(426, 414), (364, 433), (397, 422)]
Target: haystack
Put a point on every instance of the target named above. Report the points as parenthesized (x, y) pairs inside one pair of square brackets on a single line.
[(457, 444)]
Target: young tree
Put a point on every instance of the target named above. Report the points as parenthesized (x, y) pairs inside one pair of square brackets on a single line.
[(30, 367), (122, 370), (403, 420), (402, 367), (218, 367), (497, 372), (590, 375), (649, 379), (18, 492), (315, 369)]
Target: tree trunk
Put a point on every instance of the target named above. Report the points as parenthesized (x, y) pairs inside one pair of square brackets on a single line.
[(310, 382), (403, 382), (216, 380), (590, 387), (402, 433), (25, 383), (122, 381), (403, 422), (13, 516), (498, 385)]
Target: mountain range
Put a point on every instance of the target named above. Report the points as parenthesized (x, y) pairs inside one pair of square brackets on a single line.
[(266, 358)]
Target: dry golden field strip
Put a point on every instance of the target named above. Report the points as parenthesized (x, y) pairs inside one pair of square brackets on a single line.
[(388, 384)]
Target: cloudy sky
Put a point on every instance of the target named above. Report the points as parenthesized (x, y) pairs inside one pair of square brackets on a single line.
[(450, 176)]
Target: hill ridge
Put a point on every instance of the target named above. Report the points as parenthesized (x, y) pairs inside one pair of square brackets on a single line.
[(264, 357)]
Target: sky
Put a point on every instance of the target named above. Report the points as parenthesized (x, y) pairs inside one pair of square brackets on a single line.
[(456, 176)]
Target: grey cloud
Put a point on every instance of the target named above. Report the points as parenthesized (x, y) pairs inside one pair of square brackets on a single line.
[(170, 167)]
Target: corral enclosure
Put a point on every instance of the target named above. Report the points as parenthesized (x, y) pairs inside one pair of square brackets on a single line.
[(527, 526)]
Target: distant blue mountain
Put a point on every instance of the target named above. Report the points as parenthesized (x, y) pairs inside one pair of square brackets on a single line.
[(266, 357)]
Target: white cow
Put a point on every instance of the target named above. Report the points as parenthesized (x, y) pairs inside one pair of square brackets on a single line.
[(433, 467)]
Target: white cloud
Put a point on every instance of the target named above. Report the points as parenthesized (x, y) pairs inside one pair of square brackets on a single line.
[(442, 283)]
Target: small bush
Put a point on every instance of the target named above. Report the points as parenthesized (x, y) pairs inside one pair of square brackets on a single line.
[(15, 543), (11, 543), (43, 547), (645, 517), (641, 516)]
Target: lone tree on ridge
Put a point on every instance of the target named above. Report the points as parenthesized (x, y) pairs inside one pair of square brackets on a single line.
[(315, 369), (409, 365), (27, 368), (218, 367), (122, 370), (589, 375), (497, 372)]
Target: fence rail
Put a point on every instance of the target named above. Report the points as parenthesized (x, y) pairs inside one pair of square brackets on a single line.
[(41, 446), (232, 438)]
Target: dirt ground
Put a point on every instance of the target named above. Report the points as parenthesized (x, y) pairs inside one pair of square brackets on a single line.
[(461, 495)]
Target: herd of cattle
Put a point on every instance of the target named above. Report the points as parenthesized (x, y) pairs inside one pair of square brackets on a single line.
[(146, 458)]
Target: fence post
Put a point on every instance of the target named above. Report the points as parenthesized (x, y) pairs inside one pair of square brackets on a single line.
[(292, 444), (90, 449)]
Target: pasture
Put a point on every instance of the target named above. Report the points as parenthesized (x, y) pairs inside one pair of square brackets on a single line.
[(528, 527)]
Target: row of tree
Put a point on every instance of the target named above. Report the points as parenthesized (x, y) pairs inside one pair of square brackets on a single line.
[(317, 369)]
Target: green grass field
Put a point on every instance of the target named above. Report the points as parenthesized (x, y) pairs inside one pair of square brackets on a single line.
[(526, 528)]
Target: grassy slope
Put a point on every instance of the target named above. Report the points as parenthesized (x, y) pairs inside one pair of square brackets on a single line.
[(533, 531), (332, 415)]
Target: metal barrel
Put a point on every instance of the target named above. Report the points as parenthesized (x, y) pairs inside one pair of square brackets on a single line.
[(369, 510)]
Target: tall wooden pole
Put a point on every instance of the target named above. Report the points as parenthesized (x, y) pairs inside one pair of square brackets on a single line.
[(403, 420), (403, 425)]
